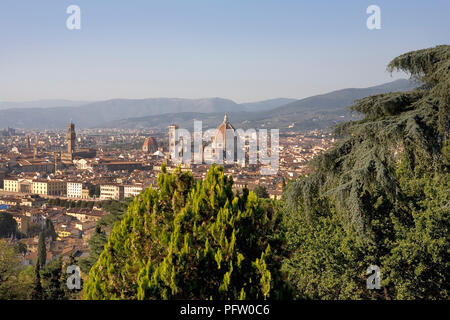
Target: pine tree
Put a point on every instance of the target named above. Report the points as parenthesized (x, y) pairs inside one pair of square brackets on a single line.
[(191, 239)]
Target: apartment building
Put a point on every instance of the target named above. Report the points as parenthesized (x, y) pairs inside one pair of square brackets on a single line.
[(111, 192), (11, 185), (17, 185), (75, 190), (50, 187), (132, 190)]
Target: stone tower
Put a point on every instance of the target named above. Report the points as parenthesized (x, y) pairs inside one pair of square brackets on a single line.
[(71, 138), (172, 129), (35, 148), (28, 143), (55, 162)]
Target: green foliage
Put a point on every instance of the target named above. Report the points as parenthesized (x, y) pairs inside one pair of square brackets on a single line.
[(432, 67), (49, 230), (30, 229), (94, 190), (25, 283), (9, 265), (419, 262), (21, 248), (71, 294), (381, 196), (97, 242), (71, 203), (8, 226), (261, 192), (191, 240), (15, 281), (37, 292), (48, 282), (42, 251), (52, 281)]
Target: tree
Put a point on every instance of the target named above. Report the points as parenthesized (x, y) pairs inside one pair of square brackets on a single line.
[(53, 281), (8, 226), (49, 230), (94, 190), (25, 279), (418, 264), (15, 281), (261, 192), (380, 196), (9, 265), (30, 229), (96, 245), (97, 242), (191, 240), (71, 294), (21, 248), (37, 291), (42, 251)]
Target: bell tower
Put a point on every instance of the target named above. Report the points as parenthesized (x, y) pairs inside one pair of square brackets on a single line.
[(71, 138)]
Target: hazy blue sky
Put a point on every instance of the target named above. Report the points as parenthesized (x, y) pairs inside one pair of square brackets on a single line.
[(244, 50)]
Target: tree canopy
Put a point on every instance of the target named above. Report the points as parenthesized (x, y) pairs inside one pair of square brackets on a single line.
[(380, 196), (8, 226), (191, 239)]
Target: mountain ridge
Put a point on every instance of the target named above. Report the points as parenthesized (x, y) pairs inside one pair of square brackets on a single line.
[(129, 113), (315, 112)]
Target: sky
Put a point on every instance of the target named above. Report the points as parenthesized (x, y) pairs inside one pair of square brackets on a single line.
[(244, 50)]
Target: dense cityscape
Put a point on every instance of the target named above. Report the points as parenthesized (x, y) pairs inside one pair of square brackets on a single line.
[(83, 168)]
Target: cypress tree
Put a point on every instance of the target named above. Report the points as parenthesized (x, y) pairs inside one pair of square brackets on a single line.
[(37, 292), (42, 251)]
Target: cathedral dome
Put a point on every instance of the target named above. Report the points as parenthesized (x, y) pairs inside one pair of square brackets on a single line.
[(221, 129)]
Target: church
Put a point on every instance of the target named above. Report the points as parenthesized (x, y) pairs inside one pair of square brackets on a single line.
[(219, 141)]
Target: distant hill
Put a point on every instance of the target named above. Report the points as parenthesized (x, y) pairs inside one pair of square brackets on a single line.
[(339, 99), (323, 110), (41, 104), (266, 104), (96, 113), (34, 115), (316, 111), (306, 114)]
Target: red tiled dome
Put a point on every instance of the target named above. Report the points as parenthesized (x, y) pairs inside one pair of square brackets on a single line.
[(221, 129)]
